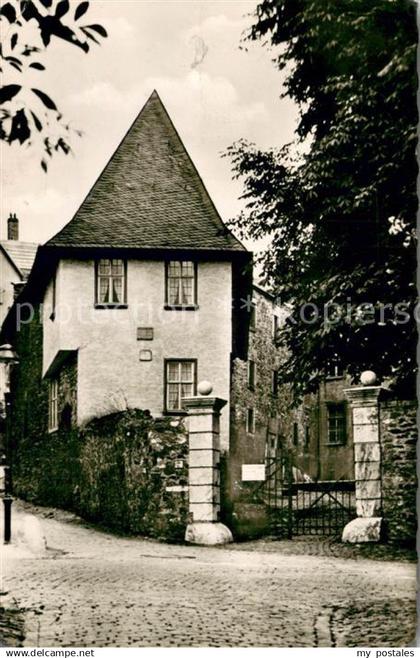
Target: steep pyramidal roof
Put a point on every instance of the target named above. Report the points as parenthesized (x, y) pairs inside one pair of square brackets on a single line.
[(149, 196)]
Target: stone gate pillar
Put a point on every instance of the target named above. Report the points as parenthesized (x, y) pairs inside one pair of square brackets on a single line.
[(204, 469), (364, 402)]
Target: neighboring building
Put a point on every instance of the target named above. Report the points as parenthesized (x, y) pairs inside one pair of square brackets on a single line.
[(317, 434), (16, 260), (258, 412), (322, 435)]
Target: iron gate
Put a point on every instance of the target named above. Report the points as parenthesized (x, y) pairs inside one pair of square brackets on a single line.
[(323, 507), (305, 507)]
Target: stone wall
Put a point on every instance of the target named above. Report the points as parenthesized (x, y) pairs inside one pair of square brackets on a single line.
[(126, 471), (399, 482), (134, 474)]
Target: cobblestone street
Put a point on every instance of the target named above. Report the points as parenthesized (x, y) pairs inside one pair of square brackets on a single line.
[(97, 589)]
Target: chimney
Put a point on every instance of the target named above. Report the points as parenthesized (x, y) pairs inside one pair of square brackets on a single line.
[(13, 227)]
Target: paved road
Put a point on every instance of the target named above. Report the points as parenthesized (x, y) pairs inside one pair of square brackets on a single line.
[(95, 589)]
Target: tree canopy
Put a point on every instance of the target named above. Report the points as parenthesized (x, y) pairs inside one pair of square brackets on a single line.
[(27, 27), (339, 203)]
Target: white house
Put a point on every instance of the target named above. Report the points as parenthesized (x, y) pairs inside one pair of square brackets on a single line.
[(16, 260), (141, 291)]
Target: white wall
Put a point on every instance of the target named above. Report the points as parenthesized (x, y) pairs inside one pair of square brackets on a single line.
[(110, 373), (8, 276)]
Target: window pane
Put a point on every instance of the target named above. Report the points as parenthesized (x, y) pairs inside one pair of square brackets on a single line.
[(187, 291), (187, 269), (117, 290), (173, 396), (117, 267), (174, 291), (104, 290), (104, 267), (173, 371), (174, 268), (186, 371), (186, 390)]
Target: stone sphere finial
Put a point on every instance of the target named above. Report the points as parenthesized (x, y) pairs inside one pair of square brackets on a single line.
[(204, 388), (368, 378)]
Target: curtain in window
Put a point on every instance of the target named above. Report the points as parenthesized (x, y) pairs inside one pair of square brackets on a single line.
[(111, 281), (180, 377), (181, 276)]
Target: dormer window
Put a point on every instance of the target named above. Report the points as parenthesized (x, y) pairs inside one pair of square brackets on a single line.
[(111, 282), (181, 284)]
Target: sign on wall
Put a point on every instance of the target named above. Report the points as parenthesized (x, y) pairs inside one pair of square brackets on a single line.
[(253, 472)]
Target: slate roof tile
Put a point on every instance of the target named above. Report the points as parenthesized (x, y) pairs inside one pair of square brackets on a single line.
[(149, 196), (21, 253)]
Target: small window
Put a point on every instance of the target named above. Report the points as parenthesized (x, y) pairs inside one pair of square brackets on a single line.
[(250, 421), (181, 283), (336, 423), (275, 383), (53, 405), (272, 440), (251, 375), (252, 316), (53, 297), (307, 436), (111, 288), (275, 327), (295, 434), (180, 382)]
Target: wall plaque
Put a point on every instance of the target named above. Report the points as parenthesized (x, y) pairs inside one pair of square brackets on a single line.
[(144, 333), (145, 355), (253, 472)]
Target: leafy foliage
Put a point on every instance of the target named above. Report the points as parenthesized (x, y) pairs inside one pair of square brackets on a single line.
[(339, 203), (27, 112)]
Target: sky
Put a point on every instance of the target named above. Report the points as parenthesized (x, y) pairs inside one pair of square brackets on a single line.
[(189, 52)]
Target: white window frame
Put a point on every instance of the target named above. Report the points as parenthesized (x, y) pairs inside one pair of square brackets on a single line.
[(53, 405), (183, 265), (179, 382), (122, 278), (336, 424)]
